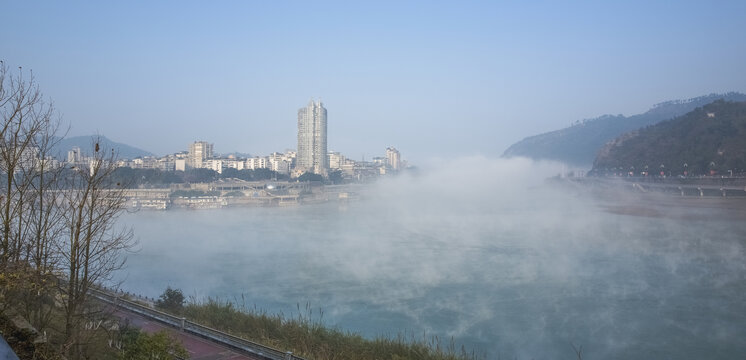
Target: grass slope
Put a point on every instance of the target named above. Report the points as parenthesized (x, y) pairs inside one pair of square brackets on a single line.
[(311, 339)]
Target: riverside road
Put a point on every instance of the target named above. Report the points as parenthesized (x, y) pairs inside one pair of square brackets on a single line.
[(198, 348), (200, 341)]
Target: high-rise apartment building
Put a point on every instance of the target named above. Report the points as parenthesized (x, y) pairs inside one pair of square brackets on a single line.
[(393, 158), (74, 155), (312, 139), (336, 160), (199, 153)]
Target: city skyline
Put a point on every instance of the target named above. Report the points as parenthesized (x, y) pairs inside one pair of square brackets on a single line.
[(438, 79)]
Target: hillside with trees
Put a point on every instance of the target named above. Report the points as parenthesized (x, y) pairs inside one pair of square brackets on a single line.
[(579, 144), (711, 140)]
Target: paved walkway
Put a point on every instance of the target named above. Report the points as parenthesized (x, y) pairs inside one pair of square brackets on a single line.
[(198, 348)]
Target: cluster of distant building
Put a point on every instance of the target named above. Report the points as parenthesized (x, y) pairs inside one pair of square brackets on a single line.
[(311, 155)]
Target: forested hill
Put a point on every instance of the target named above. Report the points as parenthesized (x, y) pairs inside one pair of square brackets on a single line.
[(579, 144), (710, 138)]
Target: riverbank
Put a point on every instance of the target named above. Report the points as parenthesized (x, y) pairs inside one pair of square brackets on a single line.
[(688, 200), (239, 193), (255, 331)]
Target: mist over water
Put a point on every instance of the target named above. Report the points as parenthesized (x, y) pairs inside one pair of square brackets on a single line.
[(486, 252)]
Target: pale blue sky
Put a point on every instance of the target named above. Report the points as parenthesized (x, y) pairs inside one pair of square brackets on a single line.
[(433, 78)]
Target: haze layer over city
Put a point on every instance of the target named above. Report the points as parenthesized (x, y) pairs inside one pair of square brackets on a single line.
[(463, 180)]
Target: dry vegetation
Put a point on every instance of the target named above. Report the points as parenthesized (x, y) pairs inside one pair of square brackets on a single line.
[(308, 337)]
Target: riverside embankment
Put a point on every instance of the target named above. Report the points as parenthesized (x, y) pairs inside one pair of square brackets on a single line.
[(240, 193), (686, 198)]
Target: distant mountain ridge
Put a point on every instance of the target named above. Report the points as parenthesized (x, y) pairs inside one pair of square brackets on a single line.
[(709, 140), (85, 143), (579, 144)]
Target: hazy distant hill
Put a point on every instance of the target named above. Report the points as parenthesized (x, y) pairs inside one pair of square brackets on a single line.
[(85, 144), (712, 137), (579, 144)]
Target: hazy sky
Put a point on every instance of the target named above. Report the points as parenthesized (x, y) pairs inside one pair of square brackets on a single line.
[(432, 78)]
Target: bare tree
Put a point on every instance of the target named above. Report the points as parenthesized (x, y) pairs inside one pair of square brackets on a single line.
[(45, 228), (24, 118), (58, 234), (94, 245), (27, 136)]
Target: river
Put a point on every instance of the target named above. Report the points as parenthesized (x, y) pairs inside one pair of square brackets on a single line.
[(514, 268)]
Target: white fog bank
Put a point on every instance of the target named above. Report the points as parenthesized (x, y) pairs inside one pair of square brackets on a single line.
[(484, 250)]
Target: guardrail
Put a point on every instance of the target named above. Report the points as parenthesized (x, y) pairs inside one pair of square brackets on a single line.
[(228, 340)]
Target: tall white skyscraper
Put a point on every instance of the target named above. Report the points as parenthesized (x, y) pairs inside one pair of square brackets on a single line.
[(312, 138)]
